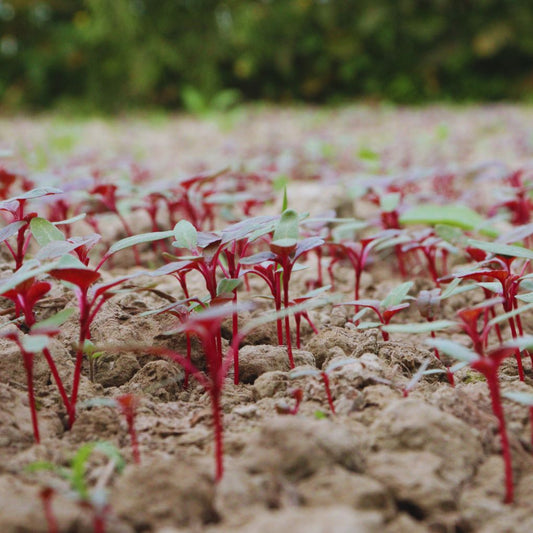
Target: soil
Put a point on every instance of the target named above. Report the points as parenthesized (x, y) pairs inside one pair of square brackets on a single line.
[(383, 463)]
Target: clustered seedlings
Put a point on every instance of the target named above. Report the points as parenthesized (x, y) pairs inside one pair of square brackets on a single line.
[(275, 249)]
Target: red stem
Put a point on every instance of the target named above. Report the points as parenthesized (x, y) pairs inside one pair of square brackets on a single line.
[(99, 522), (28, 365), (46, 497), (218, 429), (491, 374), (235, 333), (57, 378), (286, 277), (134, 441), (517, 353), (325, 379)]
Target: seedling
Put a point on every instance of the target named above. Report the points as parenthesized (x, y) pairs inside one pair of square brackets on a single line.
[(488, 364), (127, 405), (95, 499), (90, 300), (286, 249), (283, 408), (385, 309), (324, 376), (20, 223)]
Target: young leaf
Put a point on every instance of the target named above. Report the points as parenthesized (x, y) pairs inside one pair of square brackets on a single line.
[(36, 193), (502, 249), (45, 232), (285, 203), (451, 234), (185, 235), (458, 216), (397, 295), (55, 320), (10, 230), (134, 240), (453, 349), (423, 327), (389, 202), (24, 274), (70, 220), (519, 397), (286, 232), (226, 286), (35, 343)]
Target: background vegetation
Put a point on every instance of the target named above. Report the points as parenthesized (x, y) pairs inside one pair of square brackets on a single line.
[(116, 54)]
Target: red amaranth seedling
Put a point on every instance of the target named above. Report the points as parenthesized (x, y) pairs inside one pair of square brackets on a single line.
[(206, 326), (34, 342), (519, 202), (324, 375), (428, 304), (90, 298), (106, 193), (428, 244), (487, 363), (25, 291), (283, 408), (127, 405), (46, 494), (20, 223), (94, 499), (286, 249), (385, 309), (506, 283), (357, 252)]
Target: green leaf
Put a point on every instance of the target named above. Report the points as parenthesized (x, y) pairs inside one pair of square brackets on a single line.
[(134, 240), (79, 462), (303, 372), (36, 193), (519, 397), (501, 318), (451, 234), (285, 203), (453, 289), (522, 343), (35, 343), (348, 230), (272, 316), (508, 250), (367, 154), (11, 229), (453, 349), (55, 320), (368, 325), (423, 327), (45, 232), (226, 286), (70, 220), (389, 202), (339, 363), (286, 232), (528, 297), (24, 274), (459, 216), (185, 235), (397, 295)]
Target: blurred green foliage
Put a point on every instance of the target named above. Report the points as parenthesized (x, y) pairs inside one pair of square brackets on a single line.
[(118, 54)]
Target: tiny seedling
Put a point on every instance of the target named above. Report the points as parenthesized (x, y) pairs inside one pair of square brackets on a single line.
[(96, 498), (324, 376)]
